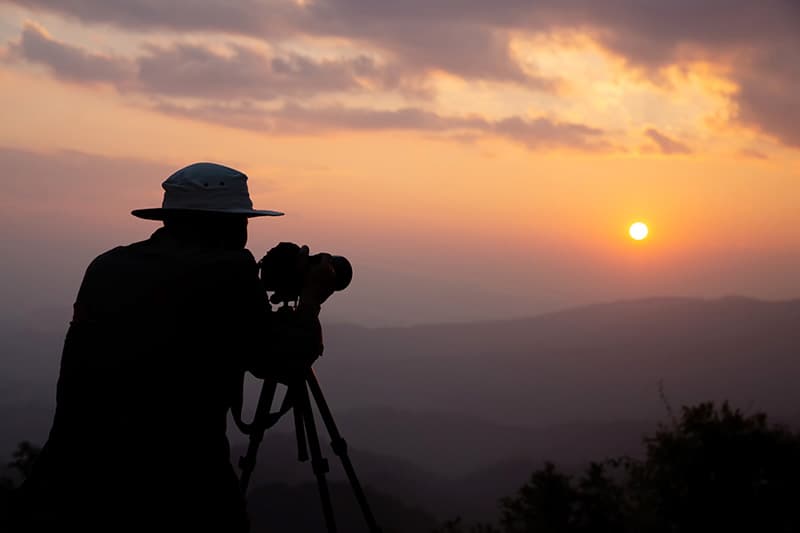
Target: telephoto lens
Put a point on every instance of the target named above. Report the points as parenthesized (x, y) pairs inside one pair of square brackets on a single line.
[(343, 270), (279, 270)]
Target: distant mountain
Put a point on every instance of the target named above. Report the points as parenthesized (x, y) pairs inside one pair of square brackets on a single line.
[(454, 445), (498, 466), (447, 418), (597, 363), (29, 357), (277, 463)]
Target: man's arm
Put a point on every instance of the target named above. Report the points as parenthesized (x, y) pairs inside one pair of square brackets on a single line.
[(286, 341)]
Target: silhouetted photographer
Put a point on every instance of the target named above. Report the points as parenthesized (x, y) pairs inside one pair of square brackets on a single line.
[(162, 334)]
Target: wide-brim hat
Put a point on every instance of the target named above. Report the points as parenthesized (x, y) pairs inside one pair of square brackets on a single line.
[(205, 188)]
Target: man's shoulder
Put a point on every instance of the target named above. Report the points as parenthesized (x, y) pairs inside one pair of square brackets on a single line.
[(117, 254), (153, 250)]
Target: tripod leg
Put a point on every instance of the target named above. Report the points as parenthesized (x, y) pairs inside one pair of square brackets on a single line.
[(318, 463), (248, 462), (339, 446), (298, 390)]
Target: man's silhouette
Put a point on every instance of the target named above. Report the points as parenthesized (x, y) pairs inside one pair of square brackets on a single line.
[(162, 332)]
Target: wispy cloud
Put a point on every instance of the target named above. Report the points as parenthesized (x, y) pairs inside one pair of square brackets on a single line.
[(418, 37), (534, 133), (70, 63), (665, 144), (753, 154), (246, 88), (195, 70), (757, 40)]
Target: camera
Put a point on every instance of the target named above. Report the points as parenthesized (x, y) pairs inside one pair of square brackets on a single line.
[(282, 273)]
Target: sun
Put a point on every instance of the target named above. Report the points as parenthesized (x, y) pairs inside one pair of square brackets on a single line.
[(638, 231)]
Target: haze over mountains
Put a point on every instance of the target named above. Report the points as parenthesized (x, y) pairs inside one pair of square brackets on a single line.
[(601, 362), (478, 405)]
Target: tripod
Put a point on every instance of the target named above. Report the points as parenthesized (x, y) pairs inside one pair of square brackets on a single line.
[(298, 400)]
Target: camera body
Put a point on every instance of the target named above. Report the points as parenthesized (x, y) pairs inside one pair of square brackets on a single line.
[(283, 272)]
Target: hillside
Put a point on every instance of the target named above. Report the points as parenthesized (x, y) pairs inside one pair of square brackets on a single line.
[(449, 417), (602, 362)]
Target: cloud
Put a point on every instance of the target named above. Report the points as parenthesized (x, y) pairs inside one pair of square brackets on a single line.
[(644, 31), (195, 70), (470, 51), (198, 71), (667, 145), (454, 42), (68, 62), (233, 16), (247, 78), (542, 132), (752, 153), (768, 93), (534, 133), (757, 40)]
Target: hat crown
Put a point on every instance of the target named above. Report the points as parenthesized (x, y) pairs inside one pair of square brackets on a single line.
[(203, 176), (207, 186)]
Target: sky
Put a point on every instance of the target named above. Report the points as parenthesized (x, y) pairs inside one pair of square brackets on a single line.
[(473, 159)]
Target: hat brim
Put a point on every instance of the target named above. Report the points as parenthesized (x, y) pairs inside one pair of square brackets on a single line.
[(160, 213)]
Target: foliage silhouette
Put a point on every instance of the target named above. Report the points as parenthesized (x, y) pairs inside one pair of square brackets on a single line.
[(19, 469), (711, 469), (24, 457), (545, 503)]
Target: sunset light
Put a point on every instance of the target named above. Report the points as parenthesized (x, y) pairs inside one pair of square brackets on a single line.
[(638, 231), (529, 127), (449, 200)]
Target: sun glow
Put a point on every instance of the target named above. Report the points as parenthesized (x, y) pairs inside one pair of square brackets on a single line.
[(638, 231)]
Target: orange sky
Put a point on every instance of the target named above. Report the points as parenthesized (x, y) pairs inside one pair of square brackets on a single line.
[(507, 185)]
